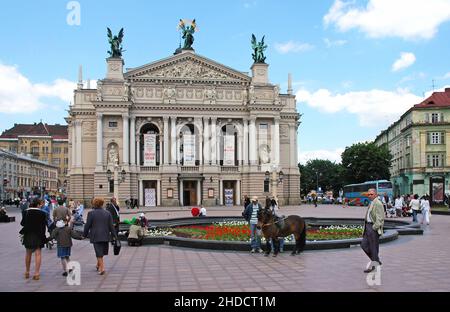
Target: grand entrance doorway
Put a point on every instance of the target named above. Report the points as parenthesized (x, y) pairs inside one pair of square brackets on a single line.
[(190, 193), (150, 193), (229, 193)]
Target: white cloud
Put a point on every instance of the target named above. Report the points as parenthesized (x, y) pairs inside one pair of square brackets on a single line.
[(19, 95), (407, 19), (374, 108), (415, 76), (332, 155), (292, 46), (406, 59), (336, 43)]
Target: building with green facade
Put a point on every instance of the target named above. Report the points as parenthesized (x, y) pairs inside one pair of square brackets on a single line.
[(420, 145)]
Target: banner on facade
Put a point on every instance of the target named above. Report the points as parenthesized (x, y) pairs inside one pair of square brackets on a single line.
[(189, 149), (150, 197), (228, 150), (229, 197), (149, 149)]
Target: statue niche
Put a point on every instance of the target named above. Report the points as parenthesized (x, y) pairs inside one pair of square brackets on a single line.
[(113, 154)]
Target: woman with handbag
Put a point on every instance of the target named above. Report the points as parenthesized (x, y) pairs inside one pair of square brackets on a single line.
[(34, 224), (99, 228)]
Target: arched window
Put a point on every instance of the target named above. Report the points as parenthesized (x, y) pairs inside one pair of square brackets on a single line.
[(149, 129)]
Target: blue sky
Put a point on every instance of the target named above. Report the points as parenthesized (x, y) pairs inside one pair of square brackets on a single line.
[(356, 65)]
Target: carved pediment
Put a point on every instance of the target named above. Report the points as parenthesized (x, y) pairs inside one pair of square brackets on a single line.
[(187, 66)]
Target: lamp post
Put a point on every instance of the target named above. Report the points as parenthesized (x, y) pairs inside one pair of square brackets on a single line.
[(116, 179), (274, 179), (317, 180)]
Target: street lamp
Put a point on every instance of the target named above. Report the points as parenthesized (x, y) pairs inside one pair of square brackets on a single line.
[(317, 180), (116, 179), (274, 179)]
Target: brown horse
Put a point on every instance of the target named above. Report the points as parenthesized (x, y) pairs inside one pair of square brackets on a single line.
[(291, 225)]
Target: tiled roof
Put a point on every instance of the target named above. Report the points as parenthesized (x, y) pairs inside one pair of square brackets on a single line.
[(37, 129), (437, 99)]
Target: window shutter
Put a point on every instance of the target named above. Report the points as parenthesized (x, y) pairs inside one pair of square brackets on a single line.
[(428, 160), (442, 137), (428, 138), (427, 117)]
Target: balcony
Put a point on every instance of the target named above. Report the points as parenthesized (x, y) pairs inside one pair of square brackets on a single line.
[(149, 168), (230, 169), (189, 169)]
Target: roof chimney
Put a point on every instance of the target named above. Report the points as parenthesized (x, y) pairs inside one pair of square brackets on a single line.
[(447, 90)]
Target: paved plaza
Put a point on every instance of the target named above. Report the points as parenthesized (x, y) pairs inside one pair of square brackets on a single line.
[(411, 263)]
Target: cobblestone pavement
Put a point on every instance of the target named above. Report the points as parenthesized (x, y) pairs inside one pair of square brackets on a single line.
[(411, 263)]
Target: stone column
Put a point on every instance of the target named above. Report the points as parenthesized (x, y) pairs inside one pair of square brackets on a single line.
[(213, 141), (78, 146), (126, 139), (276, 142), (141, 193), (206, 145), (99, 139), (160, 150), (138, 150), (238, 192), (252, 145), (199, 193), (133, 140), (199, 137), (166, 140), (292, 145), (245, 158), (173, 140), (74, 144), (220, 192), (239, 150), (158, 193), (181, 193)]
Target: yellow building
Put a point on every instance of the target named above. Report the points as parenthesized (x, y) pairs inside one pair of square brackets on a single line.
[(48, 143)]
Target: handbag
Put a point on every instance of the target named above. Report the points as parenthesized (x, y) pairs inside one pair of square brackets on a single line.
[(116, 246)]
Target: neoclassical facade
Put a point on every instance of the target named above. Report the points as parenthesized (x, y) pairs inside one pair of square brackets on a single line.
[(184, 130)]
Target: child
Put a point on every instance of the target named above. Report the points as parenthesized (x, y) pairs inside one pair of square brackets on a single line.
[(63, 235)]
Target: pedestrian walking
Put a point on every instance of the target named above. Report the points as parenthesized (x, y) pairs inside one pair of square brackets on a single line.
[(373, 229), (415, 206), (426, 210), (251, 216), (114, 210), (398, 204), (33, 231), (63, 235), (99, 228)]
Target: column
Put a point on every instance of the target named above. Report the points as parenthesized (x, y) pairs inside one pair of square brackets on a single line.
[(133, 140), (173, 140), (206, 145), (160, 150), (78, 146), (199, 125), (238, 192), (245, 158), (292, 145), (166, 140), (73, 161), (239, 150), (220, 192), (213, 141), (159, 193), (199, 193), (181, 193), (138, 150), (252, 145), (276, 142), (99, 139), (126, 140), (141, 193)]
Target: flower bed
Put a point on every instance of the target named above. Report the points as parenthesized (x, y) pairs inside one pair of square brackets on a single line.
[(240, 231)]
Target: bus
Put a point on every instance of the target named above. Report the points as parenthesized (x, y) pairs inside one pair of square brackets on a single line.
[(356, 194)]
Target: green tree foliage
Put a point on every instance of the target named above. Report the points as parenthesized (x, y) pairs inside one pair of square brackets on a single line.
[(365, 162), (328, 175)]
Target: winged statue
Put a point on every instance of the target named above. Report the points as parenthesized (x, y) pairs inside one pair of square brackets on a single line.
[(258, 48), (116, 43)]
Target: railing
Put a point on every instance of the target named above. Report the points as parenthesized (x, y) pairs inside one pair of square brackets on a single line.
[(189, 169), (230, 169), (149, 169)]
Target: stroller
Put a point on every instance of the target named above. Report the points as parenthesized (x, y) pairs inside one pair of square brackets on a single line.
[(391, 212), (78, 222), (406, 211)]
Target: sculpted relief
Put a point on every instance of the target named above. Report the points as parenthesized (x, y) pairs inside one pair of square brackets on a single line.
[(188, 70)]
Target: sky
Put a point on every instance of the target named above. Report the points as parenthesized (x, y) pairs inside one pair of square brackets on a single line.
[(356, 65)]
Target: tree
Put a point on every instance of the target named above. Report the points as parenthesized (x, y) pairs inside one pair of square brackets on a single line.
[(323, 173), (366, 162)]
